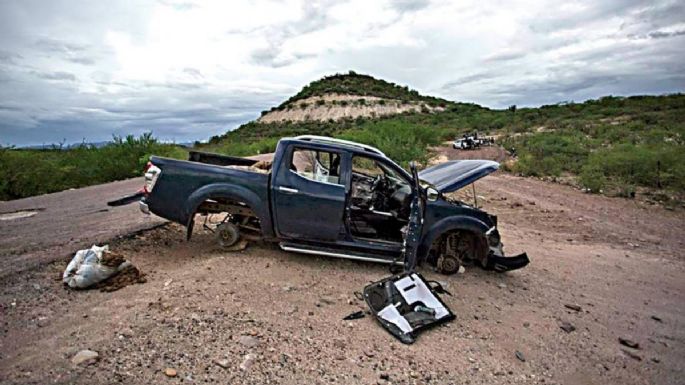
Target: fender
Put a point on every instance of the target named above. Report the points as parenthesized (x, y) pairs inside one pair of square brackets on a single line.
[(459, 222), (230, 191)]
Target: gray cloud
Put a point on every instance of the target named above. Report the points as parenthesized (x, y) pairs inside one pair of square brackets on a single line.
[(661, 35), (9, 57), (410, 5), (58, 75), (188, 71)]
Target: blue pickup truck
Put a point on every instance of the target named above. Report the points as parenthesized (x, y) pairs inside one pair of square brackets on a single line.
[(336, 198)]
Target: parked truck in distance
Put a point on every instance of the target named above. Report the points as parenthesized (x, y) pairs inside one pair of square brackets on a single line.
[(472, 141), (335, 198)]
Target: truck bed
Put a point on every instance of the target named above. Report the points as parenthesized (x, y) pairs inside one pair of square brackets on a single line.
[(181, 183)]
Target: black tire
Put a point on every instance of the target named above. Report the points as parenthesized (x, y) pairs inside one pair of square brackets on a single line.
[(227, 234)]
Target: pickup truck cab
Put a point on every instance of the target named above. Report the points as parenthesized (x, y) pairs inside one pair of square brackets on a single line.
[(335, 198)]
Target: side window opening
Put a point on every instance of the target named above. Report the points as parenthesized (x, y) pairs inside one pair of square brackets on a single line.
[(379, 200), (319, 166)]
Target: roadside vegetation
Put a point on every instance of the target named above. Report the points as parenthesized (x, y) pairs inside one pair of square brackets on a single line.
[(613, 145), (24, 172)]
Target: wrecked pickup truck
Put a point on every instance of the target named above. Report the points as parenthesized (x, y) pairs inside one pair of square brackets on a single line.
[(334, 198)]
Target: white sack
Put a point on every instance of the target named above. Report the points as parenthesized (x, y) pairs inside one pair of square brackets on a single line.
[(85, 268)]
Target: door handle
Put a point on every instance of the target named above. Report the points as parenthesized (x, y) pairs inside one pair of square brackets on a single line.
[(288, 190)]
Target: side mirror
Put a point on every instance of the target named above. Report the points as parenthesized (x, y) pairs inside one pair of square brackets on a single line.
[(432, 194)]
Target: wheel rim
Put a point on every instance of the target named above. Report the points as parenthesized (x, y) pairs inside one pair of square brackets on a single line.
[(227, 234)]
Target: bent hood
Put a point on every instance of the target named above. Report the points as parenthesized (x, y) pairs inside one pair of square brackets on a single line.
[(455, 174)]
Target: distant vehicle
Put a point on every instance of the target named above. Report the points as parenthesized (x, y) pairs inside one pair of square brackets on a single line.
[(471, 141), (335, 198)]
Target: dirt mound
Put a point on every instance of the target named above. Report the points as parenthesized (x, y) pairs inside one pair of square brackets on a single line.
[(127, 276)]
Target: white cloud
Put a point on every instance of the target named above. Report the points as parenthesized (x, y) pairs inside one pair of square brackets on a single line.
[(191, 69)]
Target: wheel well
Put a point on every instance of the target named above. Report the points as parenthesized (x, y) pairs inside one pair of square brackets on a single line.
[(439, 245), (235, 211)]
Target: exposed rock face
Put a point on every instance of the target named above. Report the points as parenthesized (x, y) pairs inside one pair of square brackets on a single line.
[(339, 106)]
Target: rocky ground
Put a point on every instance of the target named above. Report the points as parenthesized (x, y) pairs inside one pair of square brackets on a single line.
[(603, 269)]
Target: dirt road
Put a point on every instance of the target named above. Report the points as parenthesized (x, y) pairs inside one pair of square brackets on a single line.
[(265, 316), (47, 227)]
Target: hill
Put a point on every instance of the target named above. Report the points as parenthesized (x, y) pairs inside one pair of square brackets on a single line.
[(351, 95)]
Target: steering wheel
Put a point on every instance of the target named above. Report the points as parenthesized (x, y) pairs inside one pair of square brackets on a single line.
[(378, 182)]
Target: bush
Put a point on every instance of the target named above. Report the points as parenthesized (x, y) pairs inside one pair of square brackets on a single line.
[(25, 173), (400, 141)]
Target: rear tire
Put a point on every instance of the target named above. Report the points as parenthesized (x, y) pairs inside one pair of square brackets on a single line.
[(228, 234)]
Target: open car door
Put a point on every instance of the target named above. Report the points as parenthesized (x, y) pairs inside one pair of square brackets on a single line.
[(406, 303)]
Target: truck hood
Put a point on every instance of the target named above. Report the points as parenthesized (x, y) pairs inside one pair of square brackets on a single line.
[(455, 174)]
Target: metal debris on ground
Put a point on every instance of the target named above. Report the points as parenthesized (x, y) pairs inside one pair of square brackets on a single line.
[(629, 343), (567, 326), (355, 315)]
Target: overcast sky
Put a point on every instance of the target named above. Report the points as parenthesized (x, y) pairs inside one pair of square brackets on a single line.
[(184, 70)]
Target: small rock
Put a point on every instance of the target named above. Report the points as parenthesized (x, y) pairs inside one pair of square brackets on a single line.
[(170, 372), (526, 324), (629, 343), (168, 282), (502, 285), (128, 333), (573, 307), (222, 363), (655, 360), (385, 376), (520, 356), (84, 356), (248, 341), (369, 353), (248, 361), (567, 327), (657, 319), (632, 355)]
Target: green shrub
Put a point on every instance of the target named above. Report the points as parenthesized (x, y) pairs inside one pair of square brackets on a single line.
[(25, 173)]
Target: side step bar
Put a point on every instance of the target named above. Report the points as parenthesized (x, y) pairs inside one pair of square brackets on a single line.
[(334, 253)]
